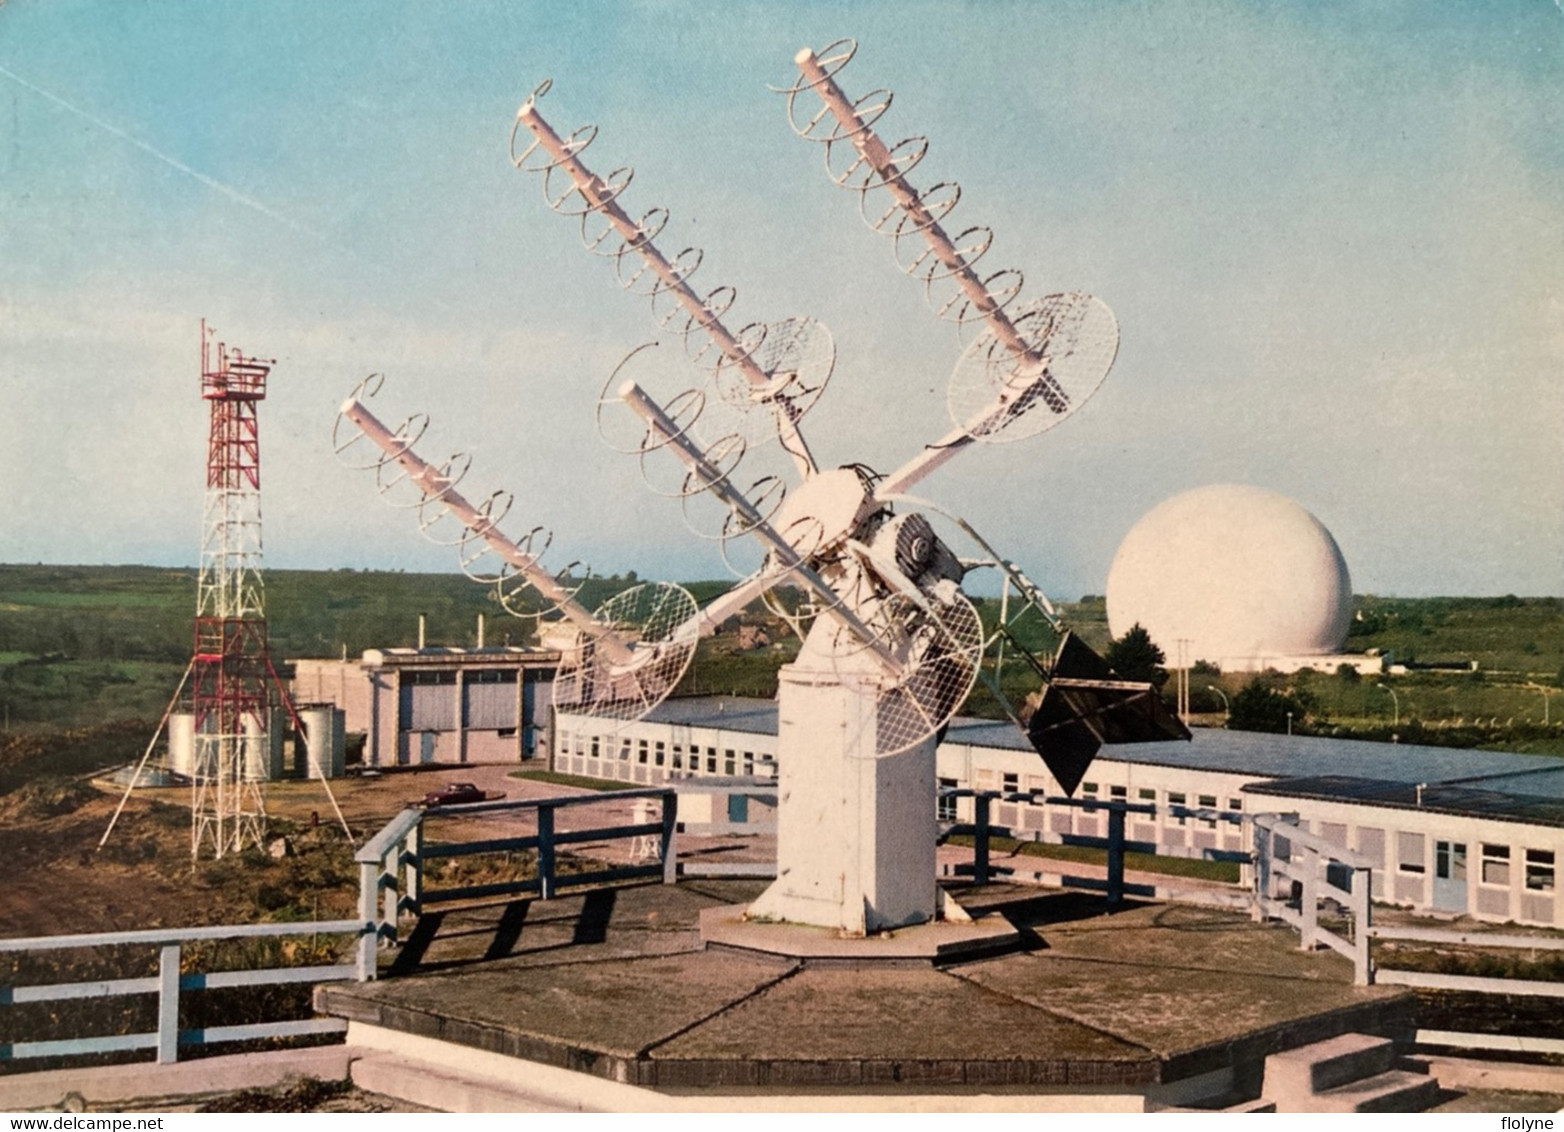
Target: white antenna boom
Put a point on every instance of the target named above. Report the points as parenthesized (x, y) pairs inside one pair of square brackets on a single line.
[(788, 561), (598, 196), (436, 485), (886, 166)]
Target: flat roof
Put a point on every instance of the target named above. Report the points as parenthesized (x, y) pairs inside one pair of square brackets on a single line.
[(1236, 752), (443, 656), (734, 713), (1461, 801)]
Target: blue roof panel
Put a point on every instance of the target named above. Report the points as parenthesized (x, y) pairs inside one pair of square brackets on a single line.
[(1237, 752)]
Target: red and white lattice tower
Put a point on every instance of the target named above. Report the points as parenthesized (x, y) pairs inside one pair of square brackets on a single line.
[(232, 679)]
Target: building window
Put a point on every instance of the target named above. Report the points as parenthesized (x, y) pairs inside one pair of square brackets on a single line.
[(1177, 799), (1146, 795), (491, 676), (1539, 870), (749, 764), (1089, 795), (624, 750), (947, 803), (1236, 805), (728, 767), (640, 751), (1409, 853), (595, 753), (1449, 860), (1496, 864), (659, 754), (1118, 793), (1012, 784), (1207, 802), (711, 760)]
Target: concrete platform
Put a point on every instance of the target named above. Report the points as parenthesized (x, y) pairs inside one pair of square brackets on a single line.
[(1163, 1001), (727, 927)]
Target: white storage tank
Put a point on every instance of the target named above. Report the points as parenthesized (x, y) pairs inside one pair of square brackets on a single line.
[(262, 751), (325, 745), (181, 743)]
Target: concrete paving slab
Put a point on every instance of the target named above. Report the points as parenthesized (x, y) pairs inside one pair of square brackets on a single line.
[(824, 1027), (1194, 1019), (608, 923), (592, 1016)]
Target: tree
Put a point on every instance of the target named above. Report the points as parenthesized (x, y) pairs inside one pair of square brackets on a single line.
[(1259, 707), (1135, 656)]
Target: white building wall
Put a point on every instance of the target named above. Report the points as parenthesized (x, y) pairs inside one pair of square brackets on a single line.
[(649, 753), (1399, 842), (1499, 871)]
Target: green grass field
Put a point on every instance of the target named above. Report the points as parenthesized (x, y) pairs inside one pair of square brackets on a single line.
[(82, 645)]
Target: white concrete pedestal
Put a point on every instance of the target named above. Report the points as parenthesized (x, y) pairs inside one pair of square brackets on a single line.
[(856, 833)]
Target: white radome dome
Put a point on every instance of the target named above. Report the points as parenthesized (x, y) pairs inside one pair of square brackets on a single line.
[(1242, 573)]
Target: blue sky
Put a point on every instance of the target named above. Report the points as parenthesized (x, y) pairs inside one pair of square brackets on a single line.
[(1332, 235)]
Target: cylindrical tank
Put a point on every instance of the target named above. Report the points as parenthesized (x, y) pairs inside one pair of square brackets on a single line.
[(255, 751), (262, 749), (325, 747), (181, 743)]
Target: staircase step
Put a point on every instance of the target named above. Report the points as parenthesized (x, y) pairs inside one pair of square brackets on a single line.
[(440, 1089), (1259, 1104), (1395, 1091), (1297, 1074)]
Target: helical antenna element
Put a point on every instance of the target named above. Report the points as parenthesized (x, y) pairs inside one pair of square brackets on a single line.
[(641, 268), (626, 657), (432, 509), (993, 396), (441, 509), (856, 159), (474, 549)]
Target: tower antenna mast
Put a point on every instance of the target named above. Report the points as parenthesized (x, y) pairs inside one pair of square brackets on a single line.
[(234, 688)]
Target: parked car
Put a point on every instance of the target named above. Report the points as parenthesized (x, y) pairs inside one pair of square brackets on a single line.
[(454, 794)]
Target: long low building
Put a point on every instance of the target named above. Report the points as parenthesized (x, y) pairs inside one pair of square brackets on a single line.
[(1450, 831)]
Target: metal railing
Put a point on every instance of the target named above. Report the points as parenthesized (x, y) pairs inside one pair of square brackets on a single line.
[(391, 882), (170, 983), (1482, 984), (1319, 874), (721, 790), (392, 864), (1315, 871), (982, 829)]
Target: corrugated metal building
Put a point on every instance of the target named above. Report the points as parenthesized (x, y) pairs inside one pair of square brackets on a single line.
[(438, 705)]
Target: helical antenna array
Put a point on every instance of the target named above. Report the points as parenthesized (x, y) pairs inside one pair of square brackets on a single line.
[(760, 380), (1017, 353), (445, 517), (625, 657), (857, 160)]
